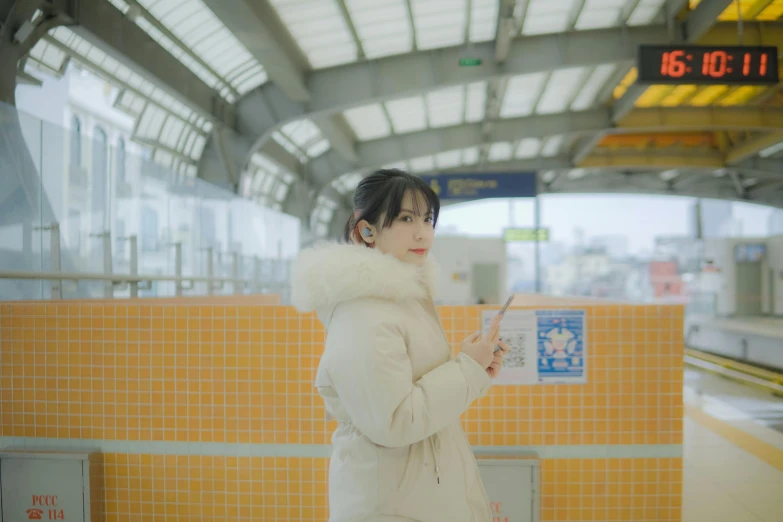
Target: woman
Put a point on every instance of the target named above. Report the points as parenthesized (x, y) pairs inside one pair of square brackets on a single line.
[(387, 373)]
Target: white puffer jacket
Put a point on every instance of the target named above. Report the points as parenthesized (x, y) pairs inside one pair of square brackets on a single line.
[(388, 376)]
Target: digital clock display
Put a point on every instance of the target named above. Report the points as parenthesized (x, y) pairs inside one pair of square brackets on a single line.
[(690, 64)]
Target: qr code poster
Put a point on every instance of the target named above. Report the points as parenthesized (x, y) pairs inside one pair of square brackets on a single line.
[(562, 346), (518, 331), (546, 346)]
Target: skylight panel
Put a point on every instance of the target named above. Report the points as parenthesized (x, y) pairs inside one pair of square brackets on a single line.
[(448, 160), (500, 151), (287, 144), (318, 148), (645, 12), (560, 89), (439, 23), (528, 148), (221, 56), (320, 30), (48, 58), (383, 26), (483, 20), (475, 100), (547, 16), (423, 164), (347, 182), (407, 114), (280, 192), (302, 132), (599, 14), (596, 81), (470, 156), (445, 106), (575, 174), (552, 146), (521, 94), (368, 122), (771, 151)]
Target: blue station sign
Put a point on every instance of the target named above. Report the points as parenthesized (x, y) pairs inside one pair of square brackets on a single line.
[(483, 185)]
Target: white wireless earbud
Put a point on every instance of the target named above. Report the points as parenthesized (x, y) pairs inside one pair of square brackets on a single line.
[(366, 232)]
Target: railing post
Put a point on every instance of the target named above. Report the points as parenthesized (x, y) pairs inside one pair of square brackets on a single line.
[(257, 275), (56, 285), (210, 270), (54, 249), (178, 268), (134, 265), (235, 273), (108, 286)]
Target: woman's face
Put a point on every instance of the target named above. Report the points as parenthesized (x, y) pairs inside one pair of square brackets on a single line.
[(410, 236)]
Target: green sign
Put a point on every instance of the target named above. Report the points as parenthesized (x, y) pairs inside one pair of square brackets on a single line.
[(525, 234), (469, 62)]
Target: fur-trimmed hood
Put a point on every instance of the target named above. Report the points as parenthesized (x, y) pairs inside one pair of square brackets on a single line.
[(330, 273)]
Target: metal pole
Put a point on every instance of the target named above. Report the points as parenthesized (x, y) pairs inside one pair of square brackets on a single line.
[(739, 21), (134, 265), (537, 228), (108, 286), (54, 248), (210, 270), (178, 268), (257, 275), (235, 273)]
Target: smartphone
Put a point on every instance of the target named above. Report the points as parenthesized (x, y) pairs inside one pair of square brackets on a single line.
[(502, 312)]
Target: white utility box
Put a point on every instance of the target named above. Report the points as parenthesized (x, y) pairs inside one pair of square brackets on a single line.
[(49, 485), (512, 487)]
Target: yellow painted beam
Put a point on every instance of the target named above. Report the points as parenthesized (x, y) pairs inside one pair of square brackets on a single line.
[(651, 161), (753, 33), (752, 147), (687, 119), (756, 8)]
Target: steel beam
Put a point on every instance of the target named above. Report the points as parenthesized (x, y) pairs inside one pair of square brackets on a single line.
[(334, 128), (667, 160), (750, 148), (702, 18), (371, 154), (104, 26), (339, 88), (682, 119), (257, 26)]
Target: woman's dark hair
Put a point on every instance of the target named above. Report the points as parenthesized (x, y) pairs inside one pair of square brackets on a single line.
[(380, 195)]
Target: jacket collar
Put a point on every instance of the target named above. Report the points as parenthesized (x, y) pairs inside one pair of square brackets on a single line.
[(330, 273)]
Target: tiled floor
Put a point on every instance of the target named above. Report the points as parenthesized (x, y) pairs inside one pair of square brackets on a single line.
[(723, 482)]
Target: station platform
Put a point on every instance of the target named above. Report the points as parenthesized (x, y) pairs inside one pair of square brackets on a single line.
[(755, 340), (733, 451)]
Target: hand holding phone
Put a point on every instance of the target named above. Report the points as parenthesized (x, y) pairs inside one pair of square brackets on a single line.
[(495, 326)]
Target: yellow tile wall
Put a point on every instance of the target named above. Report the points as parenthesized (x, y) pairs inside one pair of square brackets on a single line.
[(244, 374)]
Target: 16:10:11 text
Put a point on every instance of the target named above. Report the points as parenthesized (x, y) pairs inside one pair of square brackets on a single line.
[(716, 64)]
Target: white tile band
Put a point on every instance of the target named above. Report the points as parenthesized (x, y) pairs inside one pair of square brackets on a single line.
[(217, 449)]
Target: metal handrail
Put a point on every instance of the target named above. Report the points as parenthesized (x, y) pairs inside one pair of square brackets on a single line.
[(116, 278), (133, 279)]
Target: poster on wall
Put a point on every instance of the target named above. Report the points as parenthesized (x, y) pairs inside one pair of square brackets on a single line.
[(562, 348), (518, 331), (546, 346)]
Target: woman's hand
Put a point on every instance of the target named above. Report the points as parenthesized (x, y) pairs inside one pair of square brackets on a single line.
[(481, 348), (497, 360)]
